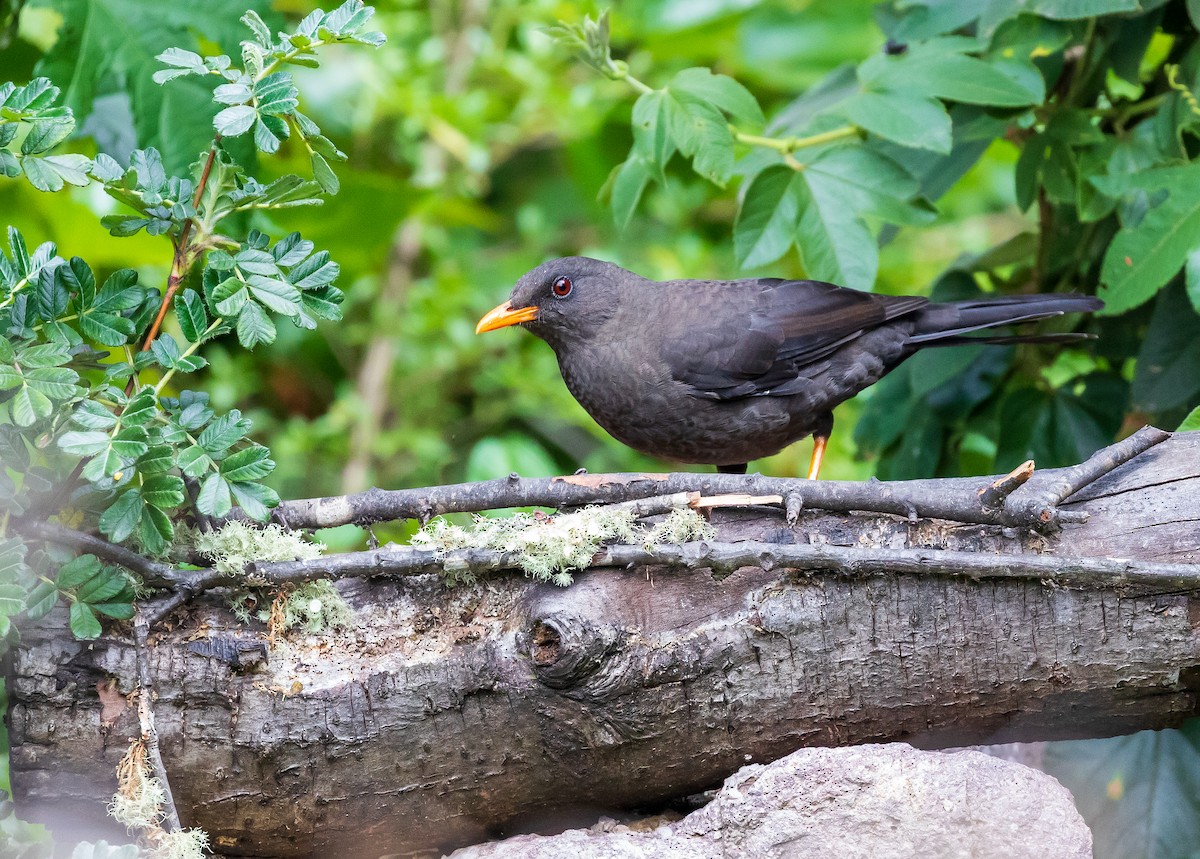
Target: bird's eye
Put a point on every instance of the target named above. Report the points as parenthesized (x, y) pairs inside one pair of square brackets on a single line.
[(561, 287)]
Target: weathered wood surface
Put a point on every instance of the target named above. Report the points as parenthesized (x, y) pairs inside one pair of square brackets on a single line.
[(446, 716)]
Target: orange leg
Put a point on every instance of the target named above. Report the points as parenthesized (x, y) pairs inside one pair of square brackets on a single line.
[(814, 465)]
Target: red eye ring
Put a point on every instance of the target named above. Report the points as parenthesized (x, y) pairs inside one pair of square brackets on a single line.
[(561, 287)]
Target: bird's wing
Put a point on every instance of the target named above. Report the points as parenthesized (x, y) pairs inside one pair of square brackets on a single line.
[(760, 334)]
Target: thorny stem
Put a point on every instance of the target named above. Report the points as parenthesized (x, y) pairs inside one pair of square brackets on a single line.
[(183, 257)]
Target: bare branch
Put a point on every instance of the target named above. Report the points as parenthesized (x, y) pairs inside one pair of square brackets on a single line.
[(146, 695), (1037, 504), (152, 572), (954, 499), (726, 557)]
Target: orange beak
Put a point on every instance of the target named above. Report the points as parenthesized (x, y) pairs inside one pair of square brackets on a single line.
[(505, 315)]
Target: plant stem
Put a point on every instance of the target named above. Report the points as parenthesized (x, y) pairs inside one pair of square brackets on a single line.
[(187, 353), (787, 145)]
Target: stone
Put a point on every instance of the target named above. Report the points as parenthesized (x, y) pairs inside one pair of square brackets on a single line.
[(874, 802)]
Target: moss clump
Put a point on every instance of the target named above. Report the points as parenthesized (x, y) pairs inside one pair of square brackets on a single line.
[(546, 547)]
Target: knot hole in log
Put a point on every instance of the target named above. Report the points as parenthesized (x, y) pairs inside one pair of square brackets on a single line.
[(564, 650)]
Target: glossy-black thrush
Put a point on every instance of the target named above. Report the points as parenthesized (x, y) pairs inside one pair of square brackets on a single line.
[(723, 372)]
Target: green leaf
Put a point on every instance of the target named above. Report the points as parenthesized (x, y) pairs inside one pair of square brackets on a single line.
[(121, 611), (163, 491), (1192, 422), (44, 136), (154, 531), (722, 92), (102, 587), (278, 295), (317, 270), (902, 117), (1165, 376), (262, 33), (214, 498), (1142, 258), (255, 499), (324, 174), (269, 132), (834, 243), (92, 415), (41, 600), (53, 171), (158, 459), (254, 326), (629, 181), (119, 292), (224, 432), (276, 94), (189, 310), (130, 442), (250, 463), (182, 59), (194, 461), (78, 277), (651, 136), (234, 93), (51, 295), (9, 165), (940, 68), (1191, 271), (120, 520), (140, 410), (77, 571), (84, 624), (235, 120), (1139, 794), (1073, 10), (84, 443), (766, 222), (106, 328)]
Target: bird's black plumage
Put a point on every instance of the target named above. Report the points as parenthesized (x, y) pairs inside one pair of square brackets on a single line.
[(723, 372)]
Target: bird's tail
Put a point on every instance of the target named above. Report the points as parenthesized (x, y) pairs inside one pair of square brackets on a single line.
[(946, 324)]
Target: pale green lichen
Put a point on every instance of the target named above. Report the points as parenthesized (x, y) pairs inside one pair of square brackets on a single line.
[(182, 844), (682, 525), (140, 806), (316, 607), (546, 547), (236, 544)]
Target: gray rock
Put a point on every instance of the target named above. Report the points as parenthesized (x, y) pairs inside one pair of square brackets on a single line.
[(882, 802)]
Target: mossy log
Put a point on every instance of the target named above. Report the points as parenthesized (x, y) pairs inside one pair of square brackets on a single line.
[(446, 716)]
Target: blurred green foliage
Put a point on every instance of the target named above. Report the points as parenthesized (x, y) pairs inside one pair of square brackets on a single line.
[(477, 148), (1005, 146)]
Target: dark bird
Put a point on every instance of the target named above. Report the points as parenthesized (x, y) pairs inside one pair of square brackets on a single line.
[(723, 372)]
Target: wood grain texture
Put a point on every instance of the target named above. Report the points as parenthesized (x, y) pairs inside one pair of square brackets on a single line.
[(445, 716)]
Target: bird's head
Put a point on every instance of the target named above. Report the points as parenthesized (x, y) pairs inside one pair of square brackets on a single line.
[(562, 301)]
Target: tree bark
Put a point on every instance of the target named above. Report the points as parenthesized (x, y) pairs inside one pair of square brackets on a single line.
[(445, 716)]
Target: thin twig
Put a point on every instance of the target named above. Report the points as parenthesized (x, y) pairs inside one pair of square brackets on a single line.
[(146, 696), (153, 572), (1039, 504), (992, 496)]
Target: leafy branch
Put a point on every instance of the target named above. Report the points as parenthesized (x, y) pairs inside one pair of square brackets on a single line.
[(87, 369)]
